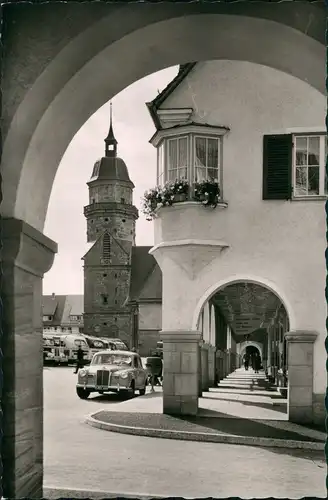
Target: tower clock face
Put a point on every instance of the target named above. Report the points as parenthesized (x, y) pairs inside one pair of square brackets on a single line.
[(97, 328)]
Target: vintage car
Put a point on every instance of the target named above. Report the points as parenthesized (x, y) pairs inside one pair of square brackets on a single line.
[(112, 371)]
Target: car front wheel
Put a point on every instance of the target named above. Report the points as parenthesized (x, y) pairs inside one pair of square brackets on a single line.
[(82, 393)]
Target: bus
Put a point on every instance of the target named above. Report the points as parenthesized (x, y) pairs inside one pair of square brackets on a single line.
[(54, 351), (72, 342)]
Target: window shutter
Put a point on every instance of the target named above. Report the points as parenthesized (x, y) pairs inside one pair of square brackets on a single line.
[(277, 167)]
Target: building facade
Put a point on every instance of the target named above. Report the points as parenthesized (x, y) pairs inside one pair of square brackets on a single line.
[(259, 133), (62, 314)]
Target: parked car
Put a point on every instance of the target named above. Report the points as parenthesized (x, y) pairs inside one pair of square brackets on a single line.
[(116, 344), (112, 371)]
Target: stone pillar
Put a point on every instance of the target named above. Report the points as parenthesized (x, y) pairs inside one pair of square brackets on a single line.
[(206, 323), (27, 254), (211, 366), (181, 362), (204, 361), (300, 376), (200, 378), (269, 353)]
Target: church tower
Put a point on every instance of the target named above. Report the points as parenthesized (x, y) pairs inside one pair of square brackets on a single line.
[(111, 219)]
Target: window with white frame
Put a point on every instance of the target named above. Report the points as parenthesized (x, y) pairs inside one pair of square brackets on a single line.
[(177, 158), (207, 158), (160, 165), (309, 165)]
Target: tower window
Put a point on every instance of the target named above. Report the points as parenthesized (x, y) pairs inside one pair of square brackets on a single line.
[(123, 220), (105, 299), (115, 275), (115, 231), (106, 246), (91, 221), (93, 200), (115, 320), (115, 301), (123, 200), (105, 275), (106, 219), (105, 324)]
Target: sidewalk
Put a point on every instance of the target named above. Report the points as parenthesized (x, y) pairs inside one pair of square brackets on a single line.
[(243, 409)]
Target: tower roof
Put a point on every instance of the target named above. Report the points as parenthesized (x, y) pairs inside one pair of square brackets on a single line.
[(110, 167), (110, 139)]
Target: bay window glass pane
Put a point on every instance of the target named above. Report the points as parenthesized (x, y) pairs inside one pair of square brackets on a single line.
[(183, 152), (313, 179), (173, 156), (172, 175), (182, 173), (301, 181), (212, 153), (313, 151), (160, 165), (200, 151), (212, 173), (301, 151), (200, 174)]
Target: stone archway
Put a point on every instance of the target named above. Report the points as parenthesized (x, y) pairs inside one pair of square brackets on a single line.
[(61, 84), (257, 345)]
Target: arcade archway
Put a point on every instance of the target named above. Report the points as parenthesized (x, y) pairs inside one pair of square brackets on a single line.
[(60, 86), (246, 316)]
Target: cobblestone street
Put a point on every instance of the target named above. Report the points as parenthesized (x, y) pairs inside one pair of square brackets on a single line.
[(79, 456)]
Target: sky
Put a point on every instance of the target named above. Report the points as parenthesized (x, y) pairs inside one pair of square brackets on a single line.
[(65, 222)]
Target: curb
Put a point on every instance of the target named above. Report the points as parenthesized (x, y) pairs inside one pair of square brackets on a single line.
[(206, 437), (52, 493)]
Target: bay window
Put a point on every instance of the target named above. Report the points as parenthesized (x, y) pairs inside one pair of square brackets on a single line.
[(193, 156)]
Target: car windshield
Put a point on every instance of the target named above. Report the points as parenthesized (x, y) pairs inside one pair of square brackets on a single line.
[(112, 359)]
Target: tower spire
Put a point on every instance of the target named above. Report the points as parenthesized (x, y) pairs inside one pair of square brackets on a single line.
[(110, 141)]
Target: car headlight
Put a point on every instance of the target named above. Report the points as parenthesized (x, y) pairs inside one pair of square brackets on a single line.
[(123, 374), (83, 373)]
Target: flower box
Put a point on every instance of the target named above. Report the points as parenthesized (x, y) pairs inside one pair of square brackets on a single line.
[(206, 192)]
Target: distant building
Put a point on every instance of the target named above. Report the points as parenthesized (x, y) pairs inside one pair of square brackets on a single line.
[(122, 282), (62, 313)]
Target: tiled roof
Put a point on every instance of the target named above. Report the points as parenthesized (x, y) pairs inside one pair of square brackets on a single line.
[(77, 305), (152, 289), (49, 304), (59, 309), (184, 70), (62, 306), (143, 265)]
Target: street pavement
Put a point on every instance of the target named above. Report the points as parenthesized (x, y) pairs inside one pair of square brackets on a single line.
[(78, 456)]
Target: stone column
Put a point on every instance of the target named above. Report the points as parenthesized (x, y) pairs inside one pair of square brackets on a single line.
[(26, 255), (269, 353), (200, 378), (300, 376), (181, 362), (211, 366), (204, 362)]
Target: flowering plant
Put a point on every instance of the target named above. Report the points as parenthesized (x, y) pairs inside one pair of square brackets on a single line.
[(150, 201), (163, 196), (207, 192)]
